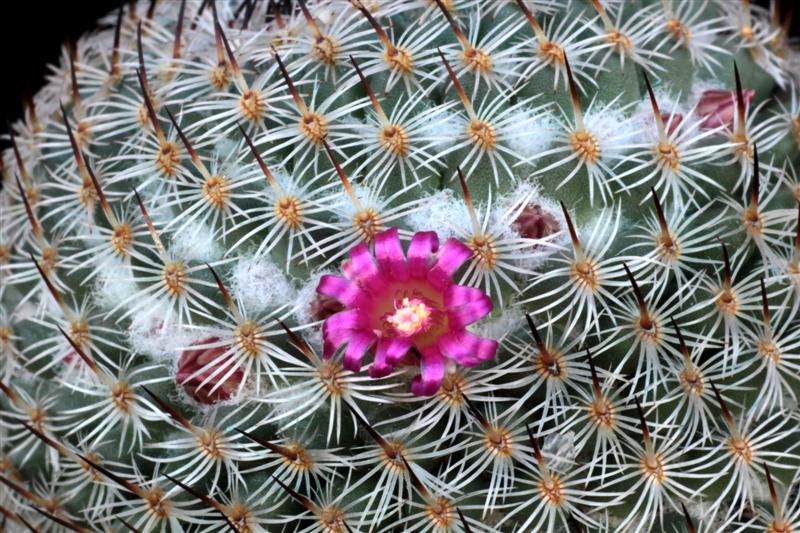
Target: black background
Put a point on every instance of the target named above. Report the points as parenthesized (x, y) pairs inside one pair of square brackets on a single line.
[(34, 30)]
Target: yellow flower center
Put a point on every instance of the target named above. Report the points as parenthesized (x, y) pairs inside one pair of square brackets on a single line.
[(411, 317)]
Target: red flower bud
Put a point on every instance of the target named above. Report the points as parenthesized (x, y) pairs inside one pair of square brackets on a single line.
[(196, 365), (535, 223), (717, 108)]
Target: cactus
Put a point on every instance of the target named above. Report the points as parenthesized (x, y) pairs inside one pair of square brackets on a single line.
[(410, 265)]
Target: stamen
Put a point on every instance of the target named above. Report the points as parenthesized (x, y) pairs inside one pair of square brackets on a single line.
[(411, 316)]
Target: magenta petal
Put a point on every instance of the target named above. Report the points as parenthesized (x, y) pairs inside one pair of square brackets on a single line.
[(431, 374), (467, 349), (342, 290), (389, 254), (357, 346), (450, 258), (361, 268), (420, 253), (338, 328), (465, 305), (388, 355)]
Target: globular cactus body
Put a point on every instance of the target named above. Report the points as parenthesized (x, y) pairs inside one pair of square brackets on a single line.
[(412, 265)]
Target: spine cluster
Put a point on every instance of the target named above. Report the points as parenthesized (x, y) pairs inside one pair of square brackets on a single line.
[(406, 265)]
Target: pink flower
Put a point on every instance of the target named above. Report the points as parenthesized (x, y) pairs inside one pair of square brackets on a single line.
[(717, 108), (205, 373), (395, 305)]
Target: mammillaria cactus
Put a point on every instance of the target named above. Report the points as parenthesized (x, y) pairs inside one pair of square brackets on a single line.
[(408, 265)]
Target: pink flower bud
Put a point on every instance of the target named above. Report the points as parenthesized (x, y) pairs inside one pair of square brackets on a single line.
[(205, 372), (535, 223), (717, 108)]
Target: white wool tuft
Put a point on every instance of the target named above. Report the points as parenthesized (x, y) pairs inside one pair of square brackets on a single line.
[(440, 128), (113, 284), (701, 86), (444, 213), (531, 133), (614, 130), (500, 326), (197, 243), (147, 335), (258, 284), (302, 311), (305, 295)]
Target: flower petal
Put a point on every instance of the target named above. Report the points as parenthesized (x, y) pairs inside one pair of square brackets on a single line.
[(389, 254), (450, 258), (357, 346), (341, 289), (361, 268), (467, 349), (465, 305), (338, 329), (388, 355), (431, 375), (420, 253)]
